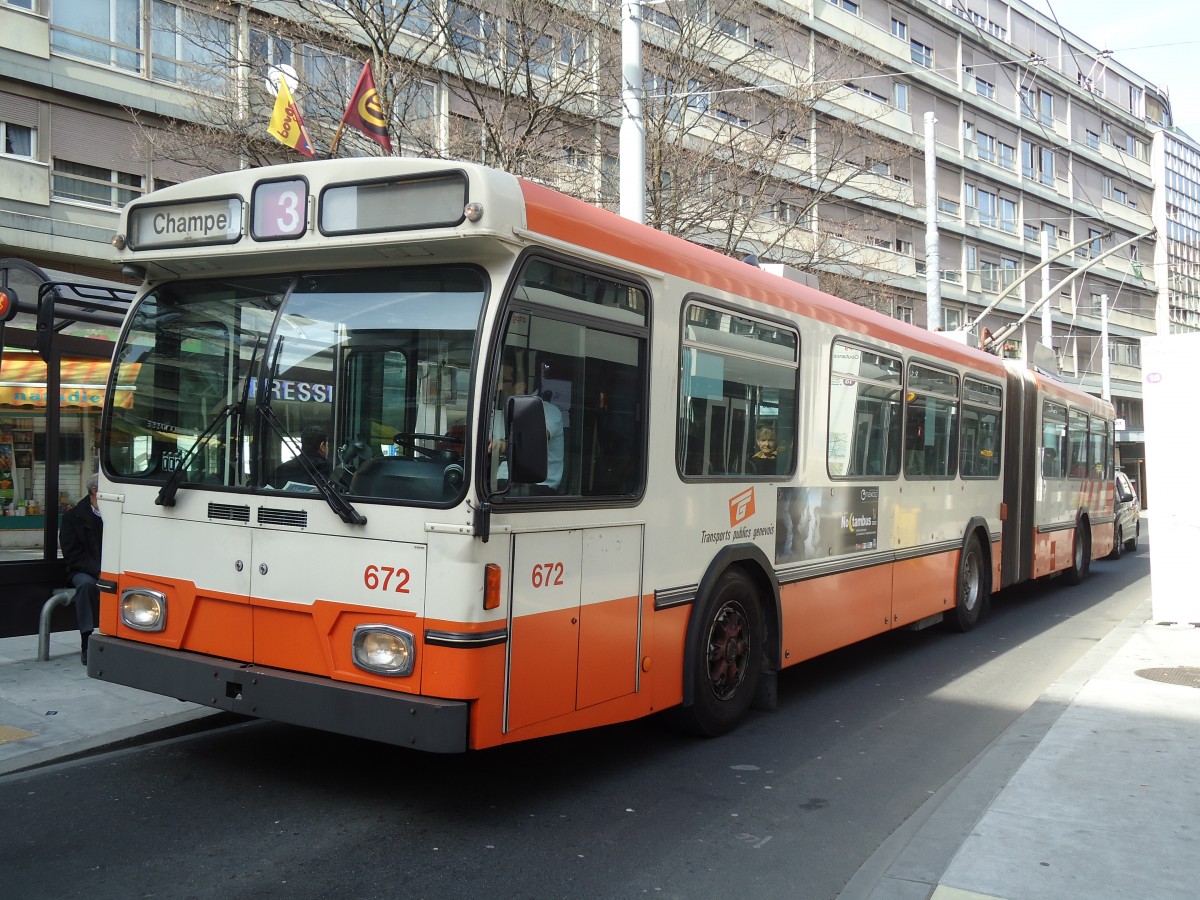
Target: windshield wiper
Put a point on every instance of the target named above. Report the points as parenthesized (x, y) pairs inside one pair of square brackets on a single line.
[(166, 494), (339, 504)]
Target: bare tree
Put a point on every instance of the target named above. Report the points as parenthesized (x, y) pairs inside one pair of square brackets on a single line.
[(757, 133), (750, 151)]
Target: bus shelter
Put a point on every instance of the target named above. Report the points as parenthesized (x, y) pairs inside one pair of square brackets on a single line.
[(57, 333)]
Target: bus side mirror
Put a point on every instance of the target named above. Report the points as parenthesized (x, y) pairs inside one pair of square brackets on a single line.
[(526, 420)]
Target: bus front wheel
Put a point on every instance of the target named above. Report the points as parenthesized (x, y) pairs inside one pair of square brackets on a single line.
[(728, 658)]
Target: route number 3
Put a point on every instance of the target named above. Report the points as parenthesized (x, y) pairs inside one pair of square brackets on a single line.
[(279, 209), (547, 575), (381, 578)]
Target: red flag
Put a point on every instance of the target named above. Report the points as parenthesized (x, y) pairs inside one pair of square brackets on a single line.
[(365, 112)]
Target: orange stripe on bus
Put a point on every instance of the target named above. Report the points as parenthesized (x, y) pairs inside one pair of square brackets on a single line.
[(923, 586), (827, 613)]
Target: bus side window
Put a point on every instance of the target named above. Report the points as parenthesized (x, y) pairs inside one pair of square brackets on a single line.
[(1049, 462)]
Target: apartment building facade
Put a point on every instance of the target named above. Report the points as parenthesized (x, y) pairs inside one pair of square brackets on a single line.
[(1041, 140)]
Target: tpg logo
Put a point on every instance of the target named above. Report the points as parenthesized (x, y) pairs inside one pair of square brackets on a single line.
[(741, 506)]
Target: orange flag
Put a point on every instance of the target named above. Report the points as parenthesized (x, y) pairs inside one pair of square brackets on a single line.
[(365, 112)]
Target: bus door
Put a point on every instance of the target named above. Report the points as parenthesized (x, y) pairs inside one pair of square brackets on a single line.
[(575, 621)]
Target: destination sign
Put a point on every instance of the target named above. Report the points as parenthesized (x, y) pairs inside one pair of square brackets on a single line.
[(191, 224), (393, 205)]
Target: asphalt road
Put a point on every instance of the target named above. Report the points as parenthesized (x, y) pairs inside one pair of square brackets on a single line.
[(789, 805)]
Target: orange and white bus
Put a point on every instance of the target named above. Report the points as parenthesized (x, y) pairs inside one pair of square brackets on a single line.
[(422, 452)]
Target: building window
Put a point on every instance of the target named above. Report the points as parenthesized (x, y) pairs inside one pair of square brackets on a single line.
[(985, 88), (1093, 140), (739, 31), (660, 17), (18, 140), (987, 147), (328, 79), (921, 54), (989, 277), (789, 213), (1037, 104), (946, 205), (268, 50), (1125, 354), (1037, 162), (985, 204), (91, 184), (900, 96), (191, 49), (1007, 214), (1006, 156), (904, 314), (103, 31), (573, 50), (848, 5), (1135, 100), (1008, 272), (900, 29), (610, 178)]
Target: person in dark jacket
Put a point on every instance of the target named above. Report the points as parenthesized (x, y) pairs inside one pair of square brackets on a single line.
[(80, 534), (314, 444)]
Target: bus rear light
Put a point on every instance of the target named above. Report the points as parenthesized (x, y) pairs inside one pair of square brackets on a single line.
[(383, 649), (143, 609), (491, 586)]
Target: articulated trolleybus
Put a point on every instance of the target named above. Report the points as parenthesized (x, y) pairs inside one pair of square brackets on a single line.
[(425, 453)]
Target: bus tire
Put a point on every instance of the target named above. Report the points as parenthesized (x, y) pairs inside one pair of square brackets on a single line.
[(728, 657), (1081, 554), (973, 589), (1118, 543)]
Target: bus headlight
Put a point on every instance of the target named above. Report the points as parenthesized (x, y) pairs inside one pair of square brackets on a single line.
[(144, 609), (383, 649)]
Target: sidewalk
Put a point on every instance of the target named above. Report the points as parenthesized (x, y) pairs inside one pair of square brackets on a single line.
[(50, 710), (1094, 792)]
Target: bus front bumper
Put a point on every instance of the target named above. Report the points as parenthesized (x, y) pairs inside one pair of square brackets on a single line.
[(422, 723)]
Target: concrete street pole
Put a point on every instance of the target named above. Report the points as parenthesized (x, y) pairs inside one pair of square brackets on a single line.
[(933, 261), (1047, 321), (633, 127), (1105, 365)]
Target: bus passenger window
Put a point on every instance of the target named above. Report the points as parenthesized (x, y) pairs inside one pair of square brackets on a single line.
[(738, 381)]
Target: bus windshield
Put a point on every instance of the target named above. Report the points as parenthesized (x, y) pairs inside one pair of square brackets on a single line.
[(357, 380)]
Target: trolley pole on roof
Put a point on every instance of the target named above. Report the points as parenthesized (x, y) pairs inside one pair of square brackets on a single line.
[(933, 263), (633, 126)]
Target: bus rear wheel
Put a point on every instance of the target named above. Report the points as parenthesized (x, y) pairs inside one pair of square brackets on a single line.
[(728, 658), (972, 590), (1081, 557)]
